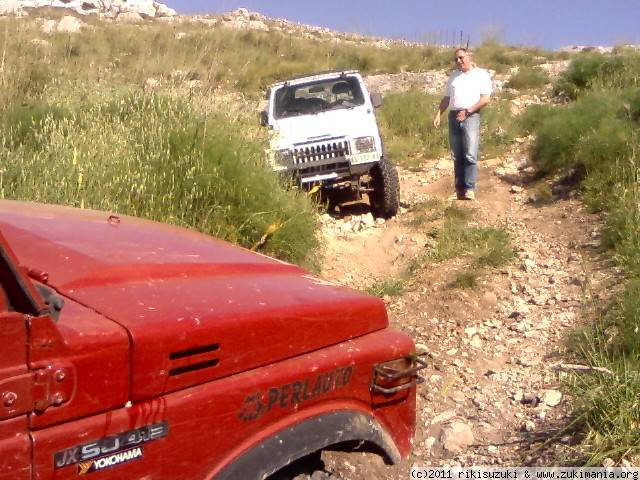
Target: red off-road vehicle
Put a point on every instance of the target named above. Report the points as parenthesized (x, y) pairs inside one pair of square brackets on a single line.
[(135, 350)]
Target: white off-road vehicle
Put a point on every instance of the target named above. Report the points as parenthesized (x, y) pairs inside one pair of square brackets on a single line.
[(326, 134)]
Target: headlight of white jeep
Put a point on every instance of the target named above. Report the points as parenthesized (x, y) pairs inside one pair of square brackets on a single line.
[(364, 144)]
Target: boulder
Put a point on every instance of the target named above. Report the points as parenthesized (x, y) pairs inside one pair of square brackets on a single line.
[(108, 8), (129, 17), (551, 398), (48, 26), (8, 7), (69, 24), (144, 8), (163, 11), (456, 437), (257, 25)]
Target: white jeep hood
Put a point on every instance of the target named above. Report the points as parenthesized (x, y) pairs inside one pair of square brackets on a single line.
[(353, 122)]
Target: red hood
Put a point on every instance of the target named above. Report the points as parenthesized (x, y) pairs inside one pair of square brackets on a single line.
[(196, 308)]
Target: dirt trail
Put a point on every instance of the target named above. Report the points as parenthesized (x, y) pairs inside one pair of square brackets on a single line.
[(493, 393)]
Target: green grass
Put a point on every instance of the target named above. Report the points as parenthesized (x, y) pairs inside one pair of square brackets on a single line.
[(423, 213), (497, 56), (405, 123), (155, 157), (455, 236), (598, 135), (596, 71), (388, 287), (592, 134), (78, 127), (486, 246), (528, 78), (465, 279), (607, 404)]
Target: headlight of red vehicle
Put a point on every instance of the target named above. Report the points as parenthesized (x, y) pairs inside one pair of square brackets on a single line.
[(396, 375)]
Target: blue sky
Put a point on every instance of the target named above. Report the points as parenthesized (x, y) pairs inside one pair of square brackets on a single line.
[(546, 23)]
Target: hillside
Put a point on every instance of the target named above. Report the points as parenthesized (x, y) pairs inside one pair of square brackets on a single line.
[(524, 303)]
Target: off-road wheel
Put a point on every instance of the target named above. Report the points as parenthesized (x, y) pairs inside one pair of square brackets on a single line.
[(310, 467), (385, 198)]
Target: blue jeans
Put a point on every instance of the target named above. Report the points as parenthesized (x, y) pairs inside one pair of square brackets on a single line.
[(464, 139)]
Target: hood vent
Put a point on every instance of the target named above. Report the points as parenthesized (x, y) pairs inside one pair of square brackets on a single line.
[(192, 359)]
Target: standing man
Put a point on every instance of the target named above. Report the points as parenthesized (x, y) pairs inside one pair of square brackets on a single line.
[(468, 90)]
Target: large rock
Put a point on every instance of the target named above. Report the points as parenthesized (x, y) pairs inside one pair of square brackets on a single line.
[(456, 437), (129, 17), (8, 7), (110, 8), (163, 11), (144, 8), (69, 24)]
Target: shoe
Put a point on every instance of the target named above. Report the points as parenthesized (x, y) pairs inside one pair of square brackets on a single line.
[(469, 195)]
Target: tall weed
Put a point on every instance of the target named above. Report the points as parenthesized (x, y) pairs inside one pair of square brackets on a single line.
[(598, 135), (405, 121), (155, 157)]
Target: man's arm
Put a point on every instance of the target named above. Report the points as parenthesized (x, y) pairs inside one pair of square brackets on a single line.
[(444, 103), (463, 114), (476, 107)]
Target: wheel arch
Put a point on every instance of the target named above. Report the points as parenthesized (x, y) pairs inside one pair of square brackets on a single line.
[(306, 437)]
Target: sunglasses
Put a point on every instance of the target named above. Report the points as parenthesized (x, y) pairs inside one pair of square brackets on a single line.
[(462, 57)]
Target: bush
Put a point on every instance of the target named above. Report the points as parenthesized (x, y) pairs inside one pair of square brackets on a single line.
[(527, 78), (587, 134), (594, 70)]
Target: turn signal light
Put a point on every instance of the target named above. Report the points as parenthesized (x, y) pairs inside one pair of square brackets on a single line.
[(396, 375)]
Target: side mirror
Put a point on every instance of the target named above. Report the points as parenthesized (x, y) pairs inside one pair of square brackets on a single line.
[(264, 118), (376, 99)]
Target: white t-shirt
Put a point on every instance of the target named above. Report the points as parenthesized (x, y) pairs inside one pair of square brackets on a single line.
[(464, 88)]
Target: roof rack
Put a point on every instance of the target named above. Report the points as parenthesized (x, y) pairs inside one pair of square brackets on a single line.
[(342, 71)]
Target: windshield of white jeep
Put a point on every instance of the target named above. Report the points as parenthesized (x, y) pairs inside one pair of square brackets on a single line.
[(319, 96)]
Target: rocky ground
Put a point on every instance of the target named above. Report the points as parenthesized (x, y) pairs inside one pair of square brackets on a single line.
[(494, 391)]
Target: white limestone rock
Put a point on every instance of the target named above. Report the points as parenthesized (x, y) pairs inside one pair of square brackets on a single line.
[(8, 7), (70, 24), (106, 8), (129, 17)]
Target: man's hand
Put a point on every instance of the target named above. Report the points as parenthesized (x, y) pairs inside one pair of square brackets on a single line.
[(461, 116), (444, 103), (436, 119)]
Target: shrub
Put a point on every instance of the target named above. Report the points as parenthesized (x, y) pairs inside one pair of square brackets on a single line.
[(528, 78), (594, 70), (588, 134)]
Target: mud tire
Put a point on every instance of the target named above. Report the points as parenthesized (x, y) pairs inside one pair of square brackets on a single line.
[(318, 475), (385, 198), (310, 467)]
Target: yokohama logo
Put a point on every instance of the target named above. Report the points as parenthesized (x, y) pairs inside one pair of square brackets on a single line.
[(110, 461)]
